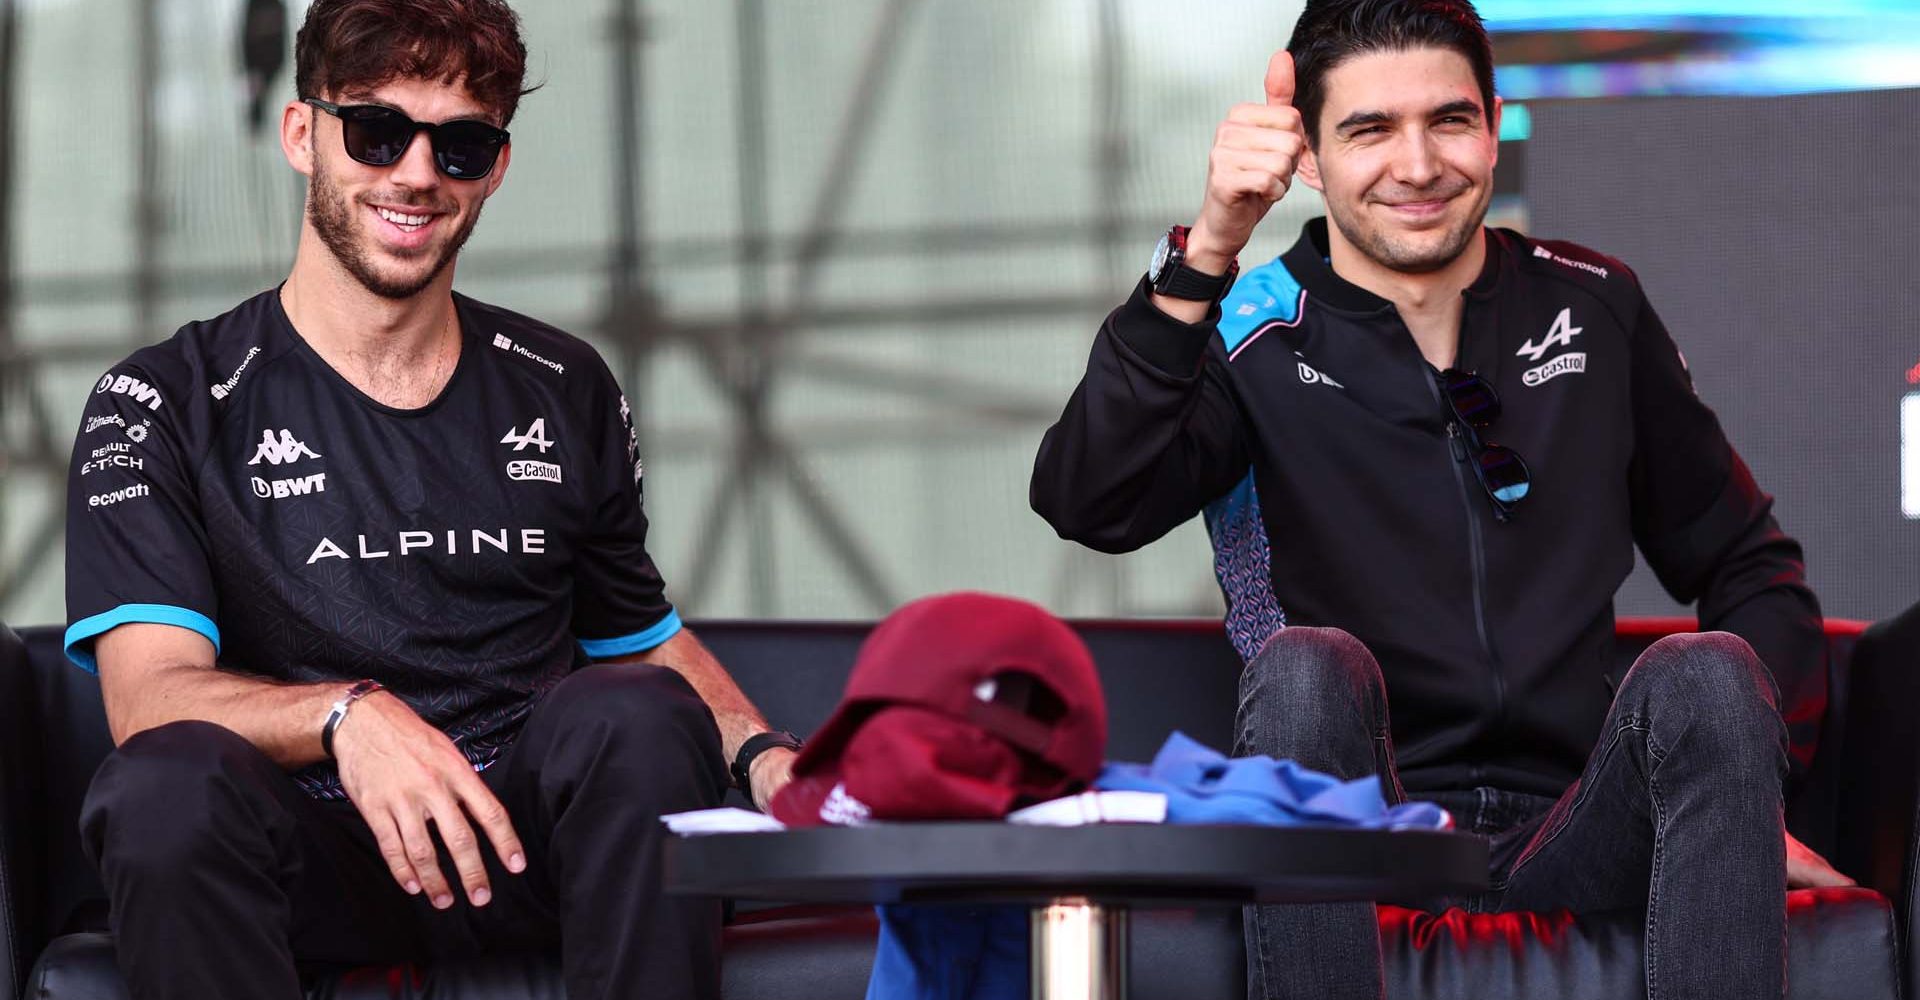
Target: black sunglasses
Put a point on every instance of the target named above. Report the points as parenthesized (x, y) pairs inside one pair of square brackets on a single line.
[(464, 149), (1501, 471)]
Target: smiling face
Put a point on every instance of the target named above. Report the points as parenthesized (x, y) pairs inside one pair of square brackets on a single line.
[(1404, 155), (394, 228)]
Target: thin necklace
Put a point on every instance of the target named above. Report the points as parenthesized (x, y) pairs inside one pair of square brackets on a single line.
[(440, 372)]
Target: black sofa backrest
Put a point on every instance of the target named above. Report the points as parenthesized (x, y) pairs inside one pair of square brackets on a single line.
[(1159, 676)]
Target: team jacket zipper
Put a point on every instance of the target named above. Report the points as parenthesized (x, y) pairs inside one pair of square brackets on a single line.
[(1477, 555)]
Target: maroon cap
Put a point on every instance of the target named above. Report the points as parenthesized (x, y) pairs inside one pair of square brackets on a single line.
[(959, 706)]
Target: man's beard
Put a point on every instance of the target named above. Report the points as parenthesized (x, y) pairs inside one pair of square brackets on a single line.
[(332, 215), (1381, 247)]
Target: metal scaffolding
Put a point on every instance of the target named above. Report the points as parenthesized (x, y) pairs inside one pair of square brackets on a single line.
[(744, 354)]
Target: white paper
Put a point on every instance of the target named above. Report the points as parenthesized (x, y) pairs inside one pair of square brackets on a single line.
[(1095, 807), (702, 822)]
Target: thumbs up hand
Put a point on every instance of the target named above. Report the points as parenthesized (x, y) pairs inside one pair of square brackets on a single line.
[(1249, 170)]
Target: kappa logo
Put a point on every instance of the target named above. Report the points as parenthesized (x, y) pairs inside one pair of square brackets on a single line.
[(280, 489), (127, 385), (282, 452), (1562, 333), (536, 435), (1311, 376), (1572, 361), (220, 391)]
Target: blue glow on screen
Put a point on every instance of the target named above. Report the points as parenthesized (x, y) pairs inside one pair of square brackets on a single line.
[(1728, 47), (1497, 12)]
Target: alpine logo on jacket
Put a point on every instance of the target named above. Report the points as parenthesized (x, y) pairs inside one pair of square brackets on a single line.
[(1562, 332)]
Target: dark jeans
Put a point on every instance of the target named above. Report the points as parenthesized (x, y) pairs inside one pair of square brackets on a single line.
[(225, 878), (1678, 811)]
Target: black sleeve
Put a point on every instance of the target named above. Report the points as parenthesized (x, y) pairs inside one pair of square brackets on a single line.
[(619, 601), (1151, 434), (1707, 530), (136, 545)]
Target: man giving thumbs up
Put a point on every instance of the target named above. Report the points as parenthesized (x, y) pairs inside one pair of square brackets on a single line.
[(1352, 417)]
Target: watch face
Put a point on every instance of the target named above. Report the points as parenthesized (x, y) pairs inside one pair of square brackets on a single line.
[(1160, 255)]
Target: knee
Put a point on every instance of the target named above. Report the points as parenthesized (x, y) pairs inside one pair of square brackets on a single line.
[(168, 792), (1719, 680), (1305, 668)]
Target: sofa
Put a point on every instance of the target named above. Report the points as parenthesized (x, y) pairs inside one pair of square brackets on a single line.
[(1857, 806)]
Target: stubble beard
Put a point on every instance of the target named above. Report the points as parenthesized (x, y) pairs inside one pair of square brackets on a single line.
[(1406, 257), (332, 215)]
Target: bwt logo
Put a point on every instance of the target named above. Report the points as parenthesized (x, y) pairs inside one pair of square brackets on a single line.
[(127, 385), (280, 489)]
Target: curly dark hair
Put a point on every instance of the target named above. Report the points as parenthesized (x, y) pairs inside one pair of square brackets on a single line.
[(361, 44)]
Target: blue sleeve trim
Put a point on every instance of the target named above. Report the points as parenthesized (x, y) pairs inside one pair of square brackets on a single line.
[(1266, 294), (80, 634), (639, 642)]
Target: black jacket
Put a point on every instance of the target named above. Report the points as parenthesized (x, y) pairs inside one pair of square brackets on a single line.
[(1494, 638)]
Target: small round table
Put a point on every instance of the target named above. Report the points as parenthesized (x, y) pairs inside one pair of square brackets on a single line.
[(1078, 881)]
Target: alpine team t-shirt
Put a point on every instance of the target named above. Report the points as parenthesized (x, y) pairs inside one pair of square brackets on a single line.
[(467, 554)]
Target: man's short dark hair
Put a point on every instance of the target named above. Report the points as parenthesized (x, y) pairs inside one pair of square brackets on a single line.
[(1330, 32), (353, 45)]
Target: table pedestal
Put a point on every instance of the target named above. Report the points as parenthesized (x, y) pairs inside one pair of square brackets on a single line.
[(1079, 950)]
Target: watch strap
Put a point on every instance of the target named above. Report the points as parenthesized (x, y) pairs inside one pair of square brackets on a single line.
[(753, 747), (1177, 280), (1183, 282)]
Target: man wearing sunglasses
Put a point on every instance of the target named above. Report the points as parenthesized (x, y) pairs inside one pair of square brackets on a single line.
[(1352, 416), (362, 566)]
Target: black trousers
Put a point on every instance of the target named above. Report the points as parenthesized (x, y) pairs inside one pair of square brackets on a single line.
[(226, 880)]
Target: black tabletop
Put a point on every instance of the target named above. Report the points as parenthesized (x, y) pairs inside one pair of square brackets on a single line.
[(1115, 863)]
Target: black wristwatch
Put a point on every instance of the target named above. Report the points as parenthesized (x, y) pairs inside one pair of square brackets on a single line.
[(754, 747), (1169, 274)]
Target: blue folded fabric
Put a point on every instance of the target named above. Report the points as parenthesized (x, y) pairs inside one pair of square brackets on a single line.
[(1202, 785), (981, 953), (951, 953)]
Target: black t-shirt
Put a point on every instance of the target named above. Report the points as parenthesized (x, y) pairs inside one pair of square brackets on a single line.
[(467, 554)]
